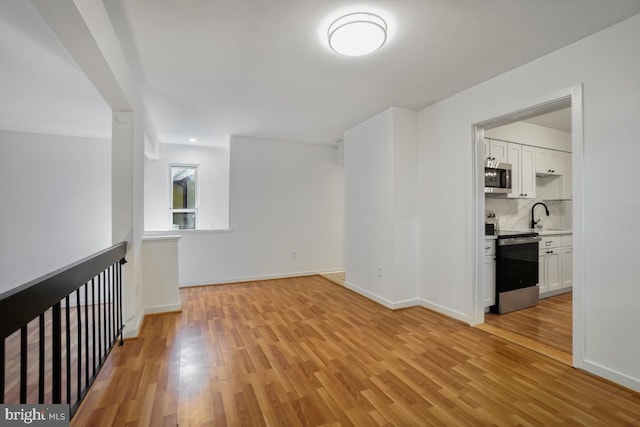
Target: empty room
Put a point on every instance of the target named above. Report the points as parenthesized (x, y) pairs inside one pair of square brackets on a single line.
[(314, 213)]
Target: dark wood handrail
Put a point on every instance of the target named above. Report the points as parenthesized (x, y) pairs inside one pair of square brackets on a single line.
[(19, 305)]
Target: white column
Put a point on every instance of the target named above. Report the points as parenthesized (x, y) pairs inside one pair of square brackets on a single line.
[(84, 27)]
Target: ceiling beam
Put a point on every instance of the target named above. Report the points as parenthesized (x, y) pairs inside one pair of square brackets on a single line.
[(84, 28), (86, 31)]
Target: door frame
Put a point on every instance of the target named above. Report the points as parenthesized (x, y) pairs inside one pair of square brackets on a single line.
[(511, 114)]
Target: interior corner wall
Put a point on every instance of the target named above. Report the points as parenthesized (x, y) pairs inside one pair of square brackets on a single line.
[(381, 208), (608, 65), (405, 205), (369, 239), (212, 185), (285, 197), (56, 203)]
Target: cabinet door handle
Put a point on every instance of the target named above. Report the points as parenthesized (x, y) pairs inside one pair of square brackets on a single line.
[(487, 247)]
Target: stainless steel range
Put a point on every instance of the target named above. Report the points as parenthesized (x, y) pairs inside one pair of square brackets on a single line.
[(516, 271)]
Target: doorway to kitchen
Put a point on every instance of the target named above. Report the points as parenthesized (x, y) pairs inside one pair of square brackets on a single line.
[(541, 148)]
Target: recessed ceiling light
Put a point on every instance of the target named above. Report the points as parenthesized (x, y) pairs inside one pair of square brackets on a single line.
[(356, 34), (192, 140)]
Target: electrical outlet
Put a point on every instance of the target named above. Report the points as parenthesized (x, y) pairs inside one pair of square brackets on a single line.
[(379, 271), (294, 255)]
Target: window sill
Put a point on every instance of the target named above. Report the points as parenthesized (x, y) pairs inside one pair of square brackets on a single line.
[(153, 233)]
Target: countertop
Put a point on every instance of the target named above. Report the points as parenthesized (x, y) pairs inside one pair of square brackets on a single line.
[(541, 232), (553, 231)]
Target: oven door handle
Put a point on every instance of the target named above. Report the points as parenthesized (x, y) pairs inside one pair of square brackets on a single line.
[(518, 241)]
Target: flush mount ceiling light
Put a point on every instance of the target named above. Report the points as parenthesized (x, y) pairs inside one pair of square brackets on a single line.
[(193, 140), (357, 34)]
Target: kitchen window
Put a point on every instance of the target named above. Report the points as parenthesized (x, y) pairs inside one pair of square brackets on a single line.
[(184, 197)]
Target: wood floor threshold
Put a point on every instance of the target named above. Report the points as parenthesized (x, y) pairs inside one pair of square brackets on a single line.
[(529, 343)]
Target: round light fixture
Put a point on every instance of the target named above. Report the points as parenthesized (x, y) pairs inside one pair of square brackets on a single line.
[(357, 34), (193, 140)]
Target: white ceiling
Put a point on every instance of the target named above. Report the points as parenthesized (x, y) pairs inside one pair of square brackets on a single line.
[(559, 120), (42, 88), (213, 68)]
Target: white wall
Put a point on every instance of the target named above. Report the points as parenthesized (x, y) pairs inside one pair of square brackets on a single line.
[(530, 134), (212, 185), (285, 197), (381, 207), (56, 203), (608, 64), (161, 274), (368, 158)]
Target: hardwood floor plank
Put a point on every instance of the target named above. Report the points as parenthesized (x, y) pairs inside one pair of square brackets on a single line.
[(546, 327), (303, 351)]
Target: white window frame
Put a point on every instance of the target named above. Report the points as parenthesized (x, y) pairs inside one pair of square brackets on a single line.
[(197, 193)]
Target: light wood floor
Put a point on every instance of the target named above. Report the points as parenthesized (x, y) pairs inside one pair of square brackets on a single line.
[(12, 354), (304, 352), (547, 327), (337, 278)]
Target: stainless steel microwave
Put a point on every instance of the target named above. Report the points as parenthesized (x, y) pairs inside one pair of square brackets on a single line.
[(497, 177)]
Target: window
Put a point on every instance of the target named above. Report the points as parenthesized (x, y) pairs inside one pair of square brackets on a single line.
[(184, 206)]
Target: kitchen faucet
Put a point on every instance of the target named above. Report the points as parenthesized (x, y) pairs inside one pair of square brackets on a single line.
[(546, 209)]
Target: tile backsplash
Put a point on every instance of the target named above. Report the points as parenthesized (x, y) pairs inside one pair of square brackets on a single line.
[(515, 214)]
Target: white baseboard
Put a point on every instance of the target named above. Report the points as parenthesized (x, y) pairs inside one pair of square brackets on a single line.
[(611, 375), (132, 331), (444, 310), (380, 300), (406, 304), (241, 279), (370, 295), (163, 309)]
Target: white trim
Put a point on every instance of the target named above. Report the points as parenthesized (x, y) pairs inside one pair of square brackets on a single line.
[(196, 179), (380, 300), (477, 302), (133, 332), (577, 148), (229, 280), (578, 170), (444, 310), (151, 233), (415, 302), (612, 375), (161, 239), (162, 309)]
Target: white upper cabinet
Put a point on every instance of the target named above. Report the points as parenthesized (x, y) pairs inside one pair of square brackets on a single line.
[(514, 156), (528, 172), (548, 162), (495, 150), (523, 174), (567, 192)]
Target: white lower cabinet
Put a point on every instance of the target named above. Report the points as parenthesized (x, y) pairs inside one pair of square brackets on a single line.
[(555, 263), (489, 273), (549, 270)]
